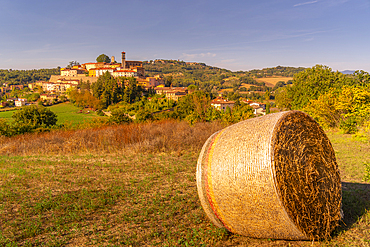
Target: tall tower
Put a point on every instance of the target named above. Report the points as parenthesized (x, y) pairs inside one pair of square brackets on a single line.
[(113, 59), (124, 60)]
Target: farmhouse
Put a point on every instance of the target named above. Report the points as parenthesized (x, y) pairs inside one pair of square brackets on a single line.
[(20, 102), (48, 97), (222, 104), (259, 108), (72, 72), (173, 93), (36, 84), (150, 82), (12, 87)]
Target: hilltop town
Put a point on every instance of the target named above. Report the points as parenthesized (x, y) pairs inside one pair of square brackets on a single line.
[(58, 87)]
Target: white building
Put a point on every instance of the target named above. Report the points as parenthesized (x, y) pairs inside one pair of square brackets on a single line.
[(20, 102), (124, 73)]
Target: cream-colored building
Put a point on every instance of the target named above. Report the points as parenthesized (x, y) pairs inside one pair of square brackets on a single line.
[(173, 93), (222, 104), (72, 72), (57, 87), (48, 97)]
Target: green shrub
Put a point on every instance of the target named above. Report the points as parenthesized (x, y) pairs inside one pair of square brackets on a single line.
[(348, 126), (29, 119), (5, 128), (119, 116)]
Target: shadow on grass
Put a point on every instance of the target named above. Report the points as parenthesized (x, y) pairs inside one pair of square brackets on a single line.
[(356, 202)]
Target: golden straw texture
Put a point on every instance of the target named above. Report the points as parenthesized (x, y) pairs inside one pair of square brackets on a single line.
[(271, 177)]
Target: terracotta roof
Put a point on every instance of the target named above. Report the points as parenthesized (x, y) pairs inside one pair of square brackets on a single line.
[(222, 101), (125, 71)]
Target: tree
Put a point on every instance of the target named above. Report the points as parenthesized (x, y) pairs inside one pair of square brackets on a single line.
[(168, 81), (72, 63), (267, 95), (268, 105), (311, 83), (213, 114), (282, 99), (132, 92), (35, 117), (343, 108), (119, 116), (193, 107), (240, 112), (5, 128), (192, 87), (362, 77), (143, 115), (279, 84), (107, 90), (103, 59)]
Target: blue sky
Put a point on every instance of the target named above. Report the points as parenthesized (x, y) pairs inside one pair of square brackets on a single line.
[(233, 34)]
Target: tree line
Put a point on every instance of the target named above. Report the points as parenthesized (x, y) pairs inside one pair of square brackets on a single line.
[(212, 79), (23, 77), (193, 108), (107, 90), (333, 99)]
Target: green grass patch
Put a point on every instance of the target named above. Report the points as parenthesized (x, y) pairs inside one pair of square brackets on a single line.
[(7, 115), (68, 113), (352, 154)]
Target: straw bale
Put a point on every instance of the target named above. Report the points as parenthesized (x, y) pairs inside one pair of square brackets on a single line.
[(274, 176)]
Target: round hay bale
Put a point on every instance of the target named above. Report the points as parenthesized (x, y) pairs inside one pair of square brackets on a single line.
[(274, 176)]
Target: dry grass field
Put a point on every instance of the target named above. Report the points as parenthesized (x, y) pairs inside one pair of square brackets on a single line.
[(271, 81), (134, 185)]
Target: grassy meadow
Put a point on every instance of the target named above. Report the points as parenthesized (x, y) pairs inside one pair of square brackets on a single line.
[(67, 114), (7, 114), (135, 185)]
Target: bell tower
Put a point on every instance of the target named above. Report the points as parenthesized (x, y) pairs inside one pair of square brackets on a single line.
[(124, 60)]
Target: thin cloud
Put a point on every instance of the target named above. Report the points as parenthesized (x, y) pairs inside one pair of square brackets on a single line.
[(186, 56), (250, 44), (305, 3)]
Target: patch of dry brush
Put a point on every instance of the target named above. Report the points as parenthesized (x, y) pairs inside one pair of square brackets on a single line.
[(172, 136)]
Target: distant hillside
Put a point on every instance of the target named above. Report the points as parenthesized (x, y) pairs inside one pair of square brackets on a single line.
[(176, 67), (213, 79), (276, 71), (347, 72)]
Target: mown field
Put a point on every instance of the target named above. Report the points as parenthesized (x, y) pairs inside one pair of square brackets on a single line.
[(67, 114), (134, 185), (271, 81)]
